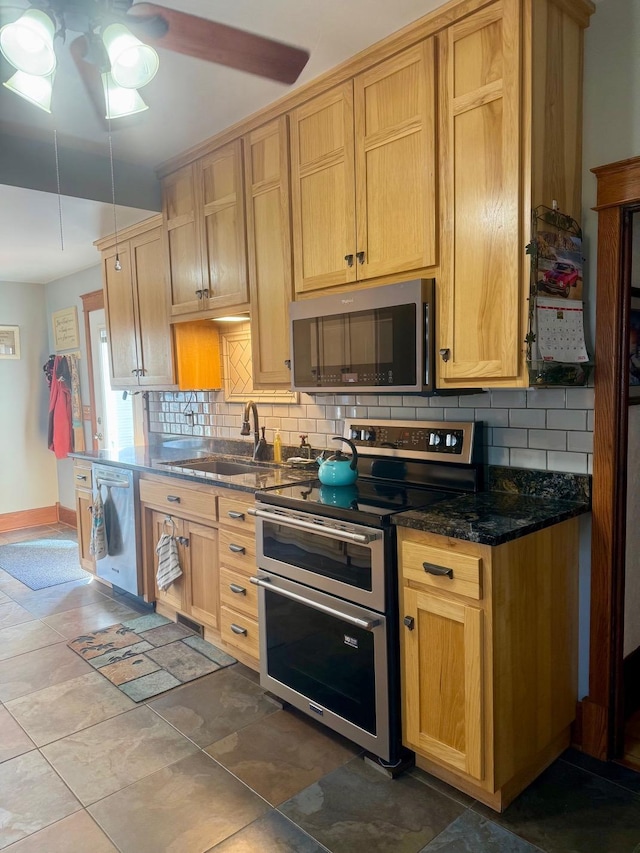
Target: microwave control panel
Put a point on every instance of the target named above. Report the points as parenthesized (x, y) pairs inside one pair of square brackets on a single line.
[(421, 439)]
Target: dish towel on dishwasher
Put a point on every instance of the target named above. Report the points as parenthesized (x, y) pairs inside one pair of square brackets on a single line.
[(168, 564), (98, 541)]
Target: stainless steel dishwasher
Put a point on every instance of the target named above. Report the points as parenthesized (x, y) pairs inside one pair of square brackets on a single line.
[(118, 489)]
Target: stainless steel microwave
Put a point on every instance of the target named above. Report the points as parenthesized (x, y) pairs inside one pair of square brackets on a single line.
[(371, 340)]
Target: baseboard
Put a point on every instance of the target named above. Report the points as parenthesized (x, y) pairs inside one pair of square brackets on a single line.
[(28, 518), (631, 676), (67, 516)]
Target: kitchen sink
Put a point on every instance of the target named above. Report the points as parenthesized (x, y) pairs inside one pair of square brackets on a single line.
[(218, 466)]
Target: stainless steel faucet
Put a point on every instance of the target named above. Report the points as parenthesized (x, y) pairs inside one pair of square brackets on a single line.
[(260, 448)]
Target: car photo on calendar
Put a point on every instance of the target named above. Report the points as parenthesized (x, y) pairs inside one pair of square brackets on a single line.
[(559, 265)]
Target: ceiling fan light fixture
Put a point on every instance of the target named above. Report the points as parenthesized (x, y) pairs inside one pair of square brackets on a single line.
[(28, 43), (133, 64), (120, 101), (33, 88)]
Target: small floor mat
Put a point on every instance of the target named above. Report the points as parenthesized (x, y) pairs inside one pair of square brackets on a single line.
[(149, 655), (39, 563)]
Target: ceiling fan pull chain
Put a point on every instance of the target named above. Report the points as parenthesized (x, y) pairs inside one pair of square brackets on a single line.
[(117, 265), (55, 147)]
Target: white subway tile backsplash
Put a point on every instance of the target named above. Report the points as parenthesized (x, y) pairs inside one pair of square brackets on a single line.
[(525, 458), (403, 413), (493, 417), (546, 398), (463, 415), (533, 418), (509, 399), (510, 437), (580, 441), (498, 455), (580, 398), (379, 412), (548, 439), (575, 463), (473, 401), (567, 419)]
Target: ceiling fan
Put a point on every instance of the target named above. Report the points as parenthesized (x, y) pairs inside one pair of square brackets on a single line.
[(136, 28)]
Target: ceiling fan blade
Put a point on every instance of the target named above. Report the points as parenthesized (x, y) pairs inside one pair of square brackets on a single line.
[(220, 43), (90, 76)]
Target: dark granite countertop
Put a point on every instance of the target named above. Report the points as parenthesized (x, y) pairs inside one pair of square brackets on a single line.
[(162, 459), (519, 501)]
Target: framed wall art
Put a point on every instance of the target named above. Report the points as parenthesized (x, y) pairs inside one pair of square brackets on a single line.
[(9, 342), (65, 329)]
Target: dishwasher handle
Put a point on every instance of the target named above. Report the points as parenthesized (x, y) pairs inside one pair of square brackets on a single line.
[(115, 484)]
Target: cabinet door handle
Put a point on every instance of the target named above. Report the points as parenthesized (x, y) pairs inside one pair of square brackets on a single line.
[(410, 622), (439, 571), (445, 353), (135, 372), (234, 514), (199, 294), (238, 630), (81, 476), (349, 260), (237, 589), (205, 293), (360, 257), (237, 549), (173, 499), (183, 540)]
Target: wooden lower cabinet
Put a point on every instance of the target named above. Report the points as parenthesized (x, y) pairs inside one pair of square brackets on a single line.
[(489, 671), (84, 506)]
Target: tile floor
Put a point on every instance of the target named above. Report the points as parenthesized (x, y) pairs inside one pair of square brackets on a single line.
[(217, 765)]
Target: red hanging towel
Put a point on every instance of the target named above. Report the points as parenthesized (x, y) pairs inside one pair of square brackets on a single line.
[(60, 419)]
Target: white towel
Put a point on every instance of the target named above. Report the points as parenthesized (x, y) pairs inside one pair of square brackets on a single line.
[(98, 542), (168, 564)]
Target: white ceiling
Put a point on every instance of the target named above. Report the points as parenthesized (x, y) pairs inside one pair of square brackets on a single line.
[(189, 100)]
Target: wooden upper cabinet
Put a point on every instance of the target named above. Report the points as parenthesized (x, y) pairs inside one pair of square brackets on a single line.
[(363, 175), (269, 250), (183, 241), (395, 164), (137, 309), (220, 194), (323, 190)]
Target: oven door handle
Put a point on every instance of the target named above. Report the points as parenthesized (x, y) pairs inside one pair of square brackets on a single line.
[(343, 535), (365, 624)]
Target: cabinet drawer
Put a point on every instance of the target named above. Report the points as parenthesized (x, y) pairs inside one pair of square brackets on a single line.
[(178, 499), (237, 551), (466, 569), (245, 635), (233, 513), (246, 602), (82, 476)]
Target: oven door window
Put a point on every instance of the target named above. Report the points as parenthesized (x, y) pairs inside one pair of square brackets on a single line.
[(346, 562), (325, 659)]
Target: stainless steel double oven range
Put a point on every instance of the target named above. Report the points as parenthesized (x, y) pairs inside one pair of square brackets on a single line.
[(327, 576)]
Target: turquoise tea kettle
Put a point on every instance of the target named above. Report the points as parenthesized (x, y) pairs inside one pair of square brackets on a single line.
[(338, 469)]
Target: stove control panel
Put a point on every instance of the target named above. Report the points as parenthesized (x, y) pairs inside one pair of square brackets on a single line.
[(421, 439)]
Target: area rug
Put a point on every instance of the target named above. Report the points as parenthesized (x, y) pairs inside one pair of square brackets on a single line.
[(39, 563), (149, 655)]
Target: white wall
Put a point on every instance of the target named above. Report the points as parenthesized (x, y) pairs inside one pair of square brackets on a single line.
[(64, 293), (28, 478)]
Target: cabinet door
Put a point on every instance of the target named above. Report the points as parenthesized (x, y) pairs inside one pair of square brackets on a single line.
[(148, 270), (203, 577), (120, 307), (323, 190), (83, 522), (221, 211), (183, 241), (482, 287), (442, 681), (395, 164), (175, 596), (269, 245)]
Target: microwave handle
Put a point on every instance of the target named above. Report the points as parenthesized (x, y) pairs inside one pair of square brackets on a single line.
[(343, 535), (365, 624)]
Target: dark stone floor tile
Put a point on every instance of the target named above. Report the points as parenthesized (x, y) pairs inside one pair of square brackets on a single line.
[(355, 809), (249, 673), (439, 785), (609, 770), (272, 833), (214, 706), (569, 810), (471, 833)]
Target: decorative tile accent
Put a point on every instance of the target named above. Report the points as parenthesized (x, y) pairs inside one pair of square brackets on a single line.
[(238, 378)]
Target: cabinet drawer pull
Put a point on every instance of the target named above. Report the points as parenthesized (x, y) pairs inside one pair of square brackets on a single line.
[(81, 476), (349, 260), (173, 499), (237, 549), (233, 514), (239, 590), (439, 571), (360, 257), (238, 630)]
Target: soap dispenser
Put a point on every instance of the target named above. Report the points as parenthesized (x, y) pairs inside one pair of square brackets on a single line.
[(277, 447)]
